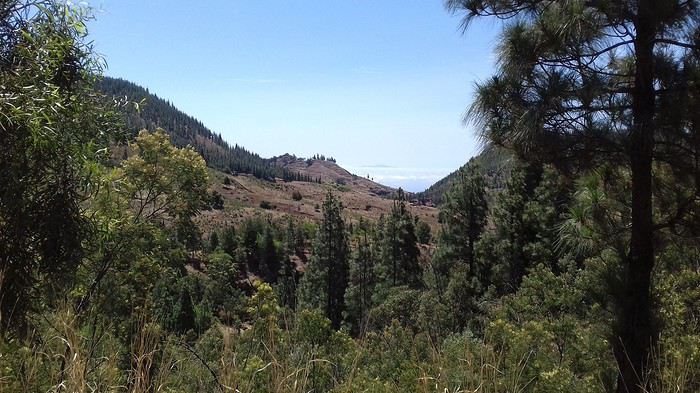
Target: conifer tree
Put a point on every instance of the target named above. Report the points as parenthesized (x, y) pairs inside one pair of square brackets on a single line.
[(399, 247), (248, 247), (582, 83), (213, 241), (228, 241), (456, 275), (526, 218), (287, 283), (269, 258), (503, 249), (464, 215), (358, 298), (184, 311), (326, 277)]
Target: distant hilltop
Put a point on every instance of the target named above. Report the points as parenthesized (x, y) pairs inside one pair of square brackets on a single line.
[(327, 170)]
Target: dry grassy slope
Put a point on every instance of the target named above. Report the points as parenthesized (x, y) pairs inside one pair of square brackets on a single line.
[(330, 172), (245, 193)]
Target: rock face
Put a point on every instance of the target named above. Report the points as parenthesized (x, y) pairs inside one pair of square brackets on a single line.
[(330, 172)]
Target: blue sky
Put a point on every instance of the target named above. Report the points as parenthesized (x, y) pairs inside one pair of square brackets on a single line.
[(379, 85)]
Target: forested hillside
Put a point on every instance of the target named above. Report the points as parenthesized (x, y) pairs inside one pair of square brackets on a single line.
[(156, 273), (151, 112), (494, 163)]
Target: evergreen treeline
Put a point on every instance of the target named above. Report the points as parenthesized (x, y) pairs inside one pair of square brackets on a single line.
[(322, 157), (494, 163), (153, 112)]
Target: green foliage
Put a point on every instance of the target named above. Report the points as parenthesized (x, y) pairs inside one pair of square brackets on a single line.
[(464, 216), (362, 279), (552, 318), (269, 257), (221, 292), (584, 85), (110, 288), (216, 201), (287, 284), (53, 126), (229, 242), (164, 181), (213, 241), (526, 216), (248, 244), (312, 328), (398, 304), (459, 280), (398, 263), (494, 164), (326, 277), (423, 234), (263, 308), (463, 297)]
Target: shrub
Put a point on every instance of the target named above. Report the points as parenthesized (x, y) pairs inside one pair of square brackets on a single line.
[(216, 200), (296, 195), (266, 205), (423, 232)]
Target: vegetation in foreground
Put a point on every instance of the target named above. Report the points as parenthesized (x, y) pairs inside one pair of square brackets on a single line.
[(107, 285)]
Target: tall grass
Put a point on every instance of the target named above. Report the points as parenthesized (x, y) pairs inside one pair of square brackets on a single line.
[(271, 359)]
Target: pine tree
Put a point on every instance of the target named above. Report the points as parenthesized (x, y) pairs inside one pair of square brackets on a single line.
[(287, 283), (464, 215), (358, 297), (503, 249), (213, 241), (526, 217), (326, 278), (455, 276), (229, 242), (399, 247), (184, 311), (269, 259), (288, 277), (582, 83), (248, 247)]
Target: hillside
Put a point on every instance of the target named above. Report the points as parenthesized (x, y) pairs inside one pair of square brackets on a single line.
[(254, 179), (494, 164), (245, 194), (154, 112), (328, 171)]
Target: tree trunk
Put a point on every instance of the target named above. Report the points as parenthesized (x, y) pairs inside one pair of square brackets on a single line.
[(635, 330)]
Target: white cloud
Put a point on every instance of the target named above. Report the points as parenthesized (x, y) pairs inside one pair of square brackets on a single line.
[(412, 179)]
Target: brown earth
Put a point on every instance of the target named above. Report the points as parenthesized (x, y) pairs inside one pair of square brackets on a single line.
[(361, 197), (330, 172)]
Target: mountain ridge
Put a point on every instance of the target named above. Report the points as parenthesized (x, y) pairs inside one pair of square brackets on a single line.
[(328, 171), (494, 163), (155, 112)]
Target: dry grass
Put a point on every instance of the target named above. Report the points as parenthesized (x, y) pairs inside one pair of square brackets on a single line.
[(243, 197), (264, 363)]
